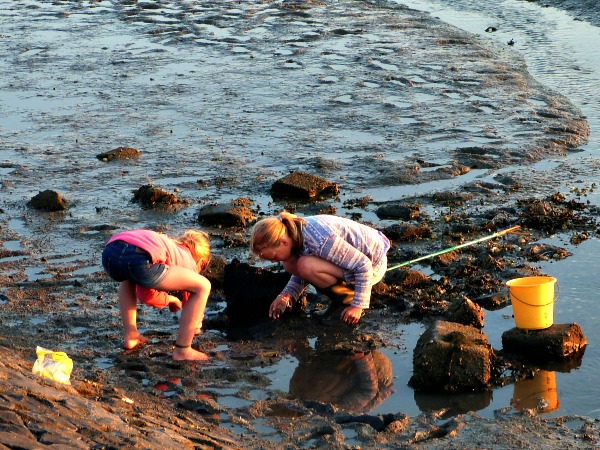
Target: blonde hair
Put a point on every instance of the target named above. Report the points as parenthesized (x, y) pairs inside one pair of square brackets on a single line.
[(267, 233), (199, 244)]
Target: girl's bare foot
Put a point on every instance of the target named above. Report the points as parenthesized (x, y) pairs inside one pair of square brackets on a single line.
[(188, 354), (131, 342)]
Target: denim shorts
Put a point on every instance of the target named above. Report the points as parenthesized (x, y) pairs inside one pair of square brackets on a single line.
[(123, 261)]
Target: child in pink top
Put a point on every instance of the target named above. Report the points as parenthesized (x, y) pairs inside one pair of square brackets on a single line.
[(148, 266)]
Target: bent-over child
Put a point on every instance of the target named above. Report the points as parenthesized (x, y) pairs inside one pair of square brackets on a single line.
[(341, 258), (149, 266)]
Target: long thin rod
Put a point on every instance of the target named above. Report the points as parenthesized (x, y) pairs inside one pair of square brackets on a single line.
[(465, 244)]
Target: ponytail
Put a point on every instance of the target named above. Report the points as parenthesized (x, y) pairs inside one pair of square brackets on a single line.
[(267, 233)]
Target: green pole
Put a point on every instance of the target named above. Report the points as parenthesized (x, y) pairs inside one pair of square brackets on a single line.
[(465, 244)]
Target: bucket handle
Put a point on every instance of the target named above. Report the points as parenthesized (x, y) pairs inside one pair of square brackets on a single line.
[(557, 292)]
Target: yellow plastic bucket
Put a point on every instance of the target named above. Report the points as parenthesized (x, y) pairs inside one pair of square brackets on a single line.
[(537, 393), (532, 299)]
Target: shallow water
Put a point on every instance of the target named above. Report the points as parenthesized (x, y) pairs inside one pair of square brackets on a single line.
[(563, 54)]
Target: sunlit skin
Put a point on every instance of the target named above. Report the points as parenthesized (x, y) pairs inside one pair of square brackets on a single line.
[(177, 279), (314, 270)]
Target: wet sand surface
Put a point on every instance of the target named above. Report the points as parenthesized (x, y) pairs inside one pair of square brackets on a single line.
[(222, 101)]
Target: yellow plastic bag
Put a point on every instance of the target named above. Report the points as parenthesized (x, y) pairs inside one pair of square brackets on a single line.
[(56, 366)]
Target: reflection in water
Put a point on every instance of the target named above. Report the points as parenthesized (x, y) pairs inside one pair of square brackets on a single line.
[(537, 393), (356, 383), (454, 403)]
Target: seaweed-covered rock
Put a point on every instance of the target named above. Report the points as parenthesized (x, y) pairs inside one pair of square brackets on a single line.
[(120, 153), (226, 214), (407, 233), (407, 278), (556, 343), (398, 211), (150, 196), (452, 357), (215, 271), (48, 200), (456, 198), (303, 186), (466, 312)]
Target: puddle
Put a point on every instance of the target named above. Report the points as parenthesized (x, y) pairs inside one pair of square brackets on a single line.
[(103, 363), (37, 321), (87, 271), (13, 245), (36, 273), (13, 258), (398, 192), (356, 383), (229, 401), (79, 330), (538, 393), (279, 374)]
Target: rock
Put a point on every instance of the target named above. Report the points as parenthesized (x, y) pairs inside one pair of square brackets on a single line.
[(452, 357), (494, 301), (407, 233), (398, 211), (48, 200), (544, 252), (455, 169), (150, 196), (445, 259), (456, 198), (305, 186), (399, 424), (36, 413), (408, 279), (120, 153), (466, 312), (215, 271), (377, 422), (559, 342), (232, 240), (201, 406), (226, 214)]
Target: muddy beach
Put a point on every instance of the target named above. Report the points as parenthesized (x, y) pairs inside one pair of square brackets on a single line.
[(221, 102)]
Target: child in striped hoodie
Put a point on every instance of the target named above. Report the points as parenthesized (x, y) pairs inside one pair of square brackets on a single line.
[(341, 258)]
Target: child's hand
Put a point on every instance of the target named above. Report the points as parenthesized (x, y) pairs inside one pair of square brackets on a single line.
[(174, 304), (351, 315), (279, 305)]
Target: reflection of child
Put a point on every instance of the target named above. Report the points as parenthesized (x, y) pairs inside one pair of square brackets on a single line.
[(331, 253), (150, 265), (357, 384)]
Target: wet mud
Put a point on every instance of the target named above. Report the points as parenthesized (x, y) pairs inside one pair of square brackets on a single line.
[(224, 100)]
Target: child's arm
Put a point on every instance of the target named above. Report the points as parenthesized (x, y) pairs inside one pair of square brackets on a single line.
[(295, 287), (284, 300)]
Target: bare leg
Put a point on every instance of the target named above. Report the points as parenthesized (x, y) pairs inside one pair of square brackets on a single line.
[(317, 271), (192, 313), (323, 274), (128, 307)]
